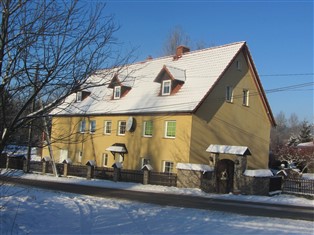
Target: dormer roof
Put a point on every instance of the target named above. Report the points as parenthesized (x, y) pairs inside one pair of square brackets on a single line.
[(173, 72), (121, 80)]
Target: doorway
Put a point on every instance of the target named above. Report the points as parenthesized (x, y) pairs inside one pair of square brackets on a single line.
[(224, 176)]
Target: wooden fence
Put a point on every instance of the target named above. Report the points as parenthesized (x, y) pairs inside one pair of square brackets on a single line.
[(295, 186), (136, 176)]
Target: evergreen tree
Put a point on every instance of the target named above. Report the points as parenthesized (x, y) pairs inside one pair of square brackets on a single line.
[(305, 133)]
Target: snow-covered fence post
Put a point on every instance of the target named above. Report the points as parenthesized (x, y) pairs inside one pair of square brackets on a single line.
[(45, 161), (116, 171), (25, 165), (90, 169), (66, 162), (146, 173)]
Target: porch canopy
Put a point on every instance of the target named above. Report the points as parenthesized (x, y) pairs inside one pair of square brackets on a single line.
[(117, 148), (229, 149)]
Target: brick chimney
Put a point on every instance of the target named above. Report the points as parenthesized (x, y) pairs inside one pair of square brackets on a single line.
[(180, 51)]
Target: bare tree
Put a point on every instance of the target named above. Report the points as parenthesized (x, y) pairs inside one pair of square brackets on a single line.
[(175, 38), (48, 49)]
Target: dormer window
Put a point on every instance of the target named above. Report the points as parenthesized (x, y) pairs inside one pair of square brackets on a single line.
[(78, 96), (117, 92), (166, 87), (121, 85), (171, 79)]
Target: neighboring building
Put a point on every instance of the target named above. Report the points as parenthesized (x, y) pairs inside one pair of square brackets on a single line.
[(166, 111)]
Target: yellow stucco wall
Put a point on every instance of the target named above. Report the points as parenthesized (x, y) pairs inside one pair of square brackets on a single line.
[(156, 148), (232, 123)]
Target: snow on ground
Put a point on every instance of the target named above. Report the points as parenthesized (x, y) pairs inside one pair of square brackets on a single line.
[(35, 211)]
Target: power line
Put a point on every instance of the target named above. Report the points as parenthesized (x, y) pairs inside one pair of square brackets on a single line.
[(286, 74)]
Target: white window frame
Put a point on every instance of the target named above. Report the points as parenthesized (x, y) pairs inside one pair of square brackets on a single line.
[(145, 128), (117, 92), (168, 167), (107, 127), (79, 96), (82, 128), (246, 94), (166, 129), (121, 127), (166, 84), (105, 159), (144, 161), (79, 156), (229, 94), (92, 126)]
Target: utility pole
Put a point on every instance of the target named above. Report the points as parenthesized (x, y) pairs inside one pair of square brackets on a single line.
[(30, 127)]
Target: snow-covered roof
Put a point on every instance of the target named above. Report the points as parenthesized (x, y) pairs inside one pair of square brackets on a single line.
[(147, 167), (258, 173), (194, 167), (178, 74), (199, 70), (118, 149), (228, 149)]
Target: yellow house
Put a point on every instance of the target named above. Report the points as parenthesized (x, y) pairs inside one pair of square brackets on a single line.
[(166, 111)]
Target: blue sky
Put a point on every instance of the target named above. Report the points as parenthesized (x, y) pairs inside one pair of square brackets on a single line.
[(279, 35)]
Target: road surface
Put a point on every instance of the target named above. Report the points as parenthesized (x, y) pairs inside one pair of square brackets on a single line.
[(186, 201)]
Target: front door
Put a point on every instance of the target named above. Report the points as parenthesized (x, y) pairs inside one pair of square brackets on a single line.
[(224, 176)]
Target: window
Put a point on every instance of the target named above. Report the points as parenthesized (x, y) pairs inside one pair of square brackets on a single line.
[(170, 129), (105, 159), (79, 156), (82, 126), (229, 94), (92, 126), (245, 101), (78, 96), (121, 127), (144, 161), (239, 65), (166, 87), (148, 129), (117, 92), (168, 167), (107, 127)]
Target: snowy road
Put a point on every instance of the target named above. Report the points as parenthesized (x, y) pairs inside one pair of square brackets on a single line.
[(216, 204)]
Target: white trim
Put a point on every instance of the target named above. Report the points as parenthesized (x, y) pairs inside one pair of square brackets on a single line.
[(245, 97), (82, 128), (105, 127), (119, 128), (229, 94), (170, 167), (117, 92), (144, 128), (166, 128), (79, 96), (164, 85), (92, 129)]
